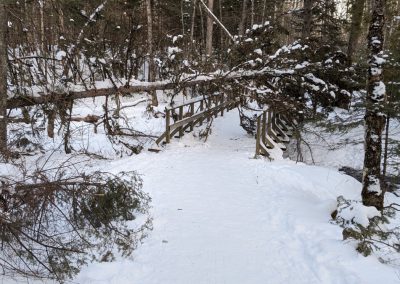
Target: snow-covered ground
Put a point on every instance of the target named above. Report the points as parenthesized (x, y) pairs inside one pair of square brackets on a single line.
[(221, 216)]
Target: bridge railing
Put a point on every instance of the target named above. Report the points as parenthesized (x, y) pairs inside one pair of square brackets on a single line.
[(273, 130), (184, 117)]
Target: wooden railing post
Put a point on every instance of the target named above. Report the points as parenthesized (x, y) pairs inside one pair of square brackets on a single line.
[(209, 106), (264, 126), (167, 126), (210, 101), (191, 114), (201, 109), (222, 102), (258, 136), (269, 123), (180, 117), (216, 102)]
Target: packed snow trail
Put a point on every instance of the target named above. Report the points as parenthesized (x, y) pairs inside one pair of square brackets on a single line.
[(221, 216)]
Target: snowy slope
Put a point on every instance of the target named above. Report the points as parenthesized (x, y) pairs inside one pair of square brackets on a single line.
[(222, 217)]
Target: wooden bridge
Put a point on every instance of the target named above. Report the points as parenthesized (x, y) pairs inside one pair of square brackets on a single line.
[(273, 129), (183, 118)]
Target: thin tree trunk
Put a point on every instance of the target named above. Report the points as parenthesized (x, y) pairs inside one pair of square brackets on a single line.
[(307, 19), (210, 28), (386, 149), (151, 78), (221, 30), (193, 22), (357, 10), (41, 7), (3, 78), (202, 23), (61, 21), (252, 12), (277, 10), (193, 44), (243, 18), (183, 17), (372, 190), (263, 12), (393, 10), (278, 18)]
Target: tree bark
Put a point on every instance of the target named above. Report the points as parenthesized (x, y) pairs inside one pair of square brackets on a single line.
[(252, 13), (215, 20), (386, 149), (151, 78), (42, 32), (307, 19), (192, 26), (3, 78), (210, 27), (263, 11), (357, 11), (243, 18), (183, 17), (373, 190)]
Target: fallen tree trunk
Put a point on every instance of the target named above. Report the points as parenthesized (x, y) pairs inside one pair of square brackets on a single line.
[(88, 119), (56, 97), (19, 102)]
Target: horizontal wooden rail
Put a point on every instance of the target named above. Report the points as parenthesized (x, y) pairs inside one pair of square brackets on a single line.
[(194, 100)]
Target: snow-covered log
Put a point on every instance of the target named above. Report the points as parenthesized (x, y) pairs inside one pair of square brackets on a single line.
[(136, 87)]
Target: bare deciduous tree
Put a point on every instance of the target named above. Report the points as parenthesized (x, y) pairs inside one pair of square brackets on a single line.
[(373, 191)]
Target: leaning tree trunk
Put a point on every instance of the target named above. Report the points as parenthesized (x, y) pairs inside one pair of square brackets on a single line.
[(357, 10), (373, 191), (3, 79)]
